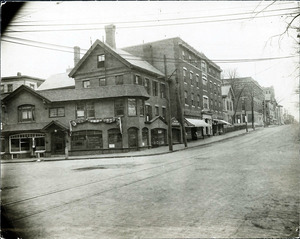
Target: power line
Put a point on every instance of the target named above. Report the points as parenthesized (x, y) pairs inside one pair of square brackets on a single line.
[(173, 60), (146, 26), (145, 21)]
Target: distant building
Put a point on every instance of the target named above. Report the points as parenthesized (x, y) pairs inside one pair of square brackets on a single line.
[(11, 83), (228, 102), (270, 106)]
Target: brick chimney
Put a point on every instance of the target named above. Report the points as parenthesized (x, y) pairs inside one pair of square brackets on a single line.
[(76, 55), (110, 31)]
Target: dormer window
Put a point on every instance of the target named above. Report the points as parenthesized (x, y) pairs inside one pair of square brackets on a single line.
[(26, 113), (101, 61)]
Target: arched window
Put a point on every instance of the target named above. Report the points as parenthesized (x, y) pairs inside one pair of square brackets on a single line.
[(26, 113)]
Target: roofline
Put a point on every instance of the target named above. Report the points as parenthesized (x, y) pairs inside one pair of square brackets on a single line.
[(21, 78)]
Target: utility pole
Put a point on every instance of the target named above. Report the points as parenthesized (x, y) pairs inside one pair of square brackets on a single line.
[(245, 119), (180, 112), (170, 139)]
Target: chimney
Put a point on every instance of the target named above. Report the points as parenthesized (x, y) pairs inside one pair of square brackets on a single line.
[(110, 31), (76, 55), (19, 74)]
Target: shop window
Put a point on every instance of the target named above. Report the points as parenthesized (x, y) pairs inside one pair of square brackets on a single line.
[(114, 138), (26, 113), (101, 61), (119, 80), (57, 112), (119, 107), (158, 137), (87, 139), (132, 107), (133, 138), (148, 112), (23, 143), (40, 144), (102, 82)]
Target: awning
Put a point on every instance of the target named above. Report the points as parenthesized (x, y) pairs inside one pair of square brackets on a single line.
[(197, 123), (222, 122)]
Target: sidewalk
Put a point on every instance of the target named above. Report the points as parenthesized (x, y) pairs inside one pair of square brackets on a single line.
[(146, 152)]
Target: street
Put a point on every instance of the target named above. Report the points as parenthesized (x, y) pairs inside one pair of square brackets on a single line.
[(245, 187)]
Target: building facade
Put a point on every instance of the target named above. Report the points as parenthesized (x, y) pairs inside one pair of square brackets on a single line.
[(270, 106), (195, 85), (228, 103)]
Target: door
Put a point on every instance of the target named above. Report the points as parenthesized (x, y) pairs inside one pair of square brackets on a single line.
[(58, 142)]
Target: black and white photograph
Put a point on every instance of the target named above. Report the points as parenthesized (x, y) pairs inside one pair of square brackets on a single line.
[(150, 119)]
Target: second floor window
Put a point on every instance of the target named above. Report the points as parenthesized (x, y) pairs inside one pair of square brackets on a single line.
[(147, 85), (132, 107), (119, 107), (57, 112), (148, 112), (102, 82), (86, 84), (138, 80), (163, 91), (101, 61), (155, 88), (119, 80), (26, 113), (85, 110), (186, 98), (205, 102)]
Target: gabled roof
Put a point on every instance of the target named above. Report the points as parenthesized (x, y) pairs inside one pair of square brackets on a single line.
[(55, 123), (225, 89), (104, 92), (56, 81), (27, 89), (126, 58), (156, 118)]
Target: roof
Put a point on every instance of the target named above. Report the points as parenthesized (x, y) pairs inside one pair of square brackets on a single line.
[(23, 127), (225, 89), (128, 59), (111, 91), (21, 78), (56, 81)]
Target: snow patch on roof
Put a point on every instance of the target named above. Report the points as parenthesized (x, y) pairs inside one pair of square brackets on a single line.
[(61, 80)]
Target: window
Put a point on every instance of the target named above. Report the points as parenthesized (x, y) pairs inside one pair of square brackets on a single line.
[(205, 102), (31, 86), (102, 82), (191, 77), (26, 113), (155, 88), (227, 104), (197, 80), (9, 88), (186, 98), (85, 110), (156, 111), (101, 61), (184, 75), (164, 112), (87, 139), (198, 101), (119, 80), (114, 138), (141, 106), (147, 85), (57, 112), (133, 141), (163, 91), (23, 142), (204, 79), (192, 97), (86, 84), (2, 145), (148, 112), (203, 66), (183, 55), (132, 107), (138, 80), (2, 88), (119, 107)]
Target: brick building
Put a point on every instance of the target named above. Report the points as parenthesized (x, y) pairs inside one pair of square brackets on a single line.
[(195, 86)]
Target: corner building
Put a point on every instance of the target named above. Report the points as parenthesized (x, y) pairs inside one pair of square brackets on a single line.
[(118, 104), (195, 86)]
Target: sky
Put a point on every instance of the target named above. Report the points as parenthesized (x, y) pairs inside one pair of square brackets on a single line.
[(243, 36)]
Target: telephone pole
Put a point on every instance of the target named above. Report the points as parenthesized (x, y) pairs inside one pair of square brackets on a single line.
[(170, 139)]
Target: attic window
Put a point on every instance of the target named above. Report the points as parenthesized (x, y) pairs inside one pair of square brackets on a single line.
[(101, 60)]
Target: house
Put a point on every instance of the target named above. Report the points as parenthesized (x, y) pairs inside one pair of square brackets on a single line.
[(249, 98), (195, 85), (118, 103), (270, 105), (228, 102)]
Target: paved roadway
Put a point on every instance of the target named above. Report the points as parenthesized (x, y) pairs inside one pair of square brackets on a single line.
[(245, 187)]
